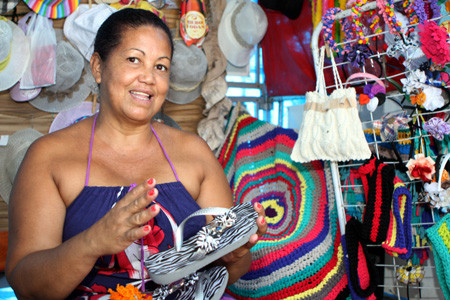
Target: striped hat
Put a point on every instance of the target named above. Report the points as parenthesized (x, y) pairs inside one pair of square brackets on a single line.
[(53, 9), (7, 5)]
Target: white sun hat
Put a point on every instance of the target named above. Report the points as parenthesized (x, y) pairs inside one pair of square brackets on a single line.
[(14, 53), (81, 27), (242, 27)]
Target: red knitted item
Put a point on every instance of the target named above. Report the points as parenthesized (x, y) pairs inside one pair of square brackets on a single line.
[(378, 183)]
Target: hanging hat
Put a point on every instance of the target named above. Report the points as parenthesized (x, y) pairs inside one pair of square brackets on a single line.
[(188, 68), (11, 157), (53, 9), (81, 27), (72, 116), (14, 53), (22, 95), (242, 27), (74, 82), (165, 119), (7, 5)]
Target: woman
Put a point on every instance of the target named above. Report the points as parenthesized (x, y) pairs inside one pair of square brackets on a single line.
[(76, 219)]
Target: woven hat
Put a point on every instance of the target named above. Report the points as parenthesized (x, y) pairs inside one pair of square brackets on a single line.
[(188, 68), (11, 157), (15, 46), (72, 116), (242, 27), (22, 95), (81, 27), (53, 9), (74, 82), (165, 119), (7, 5)]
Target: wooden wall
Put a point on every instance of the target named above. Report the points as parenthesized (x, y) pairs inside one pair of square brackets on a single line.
[(15, 116)]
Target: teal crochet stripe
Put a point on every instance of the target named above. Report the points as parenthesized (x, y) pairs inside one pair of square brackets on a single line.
[(300, 256)]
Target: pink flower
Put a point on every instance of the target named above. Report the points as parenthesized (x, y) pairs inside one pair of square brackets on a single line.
[(434, 42), (421, 167)]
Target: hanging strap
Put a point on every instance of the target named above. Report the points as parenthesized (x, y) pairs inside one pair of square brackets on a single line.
[(320, 82)]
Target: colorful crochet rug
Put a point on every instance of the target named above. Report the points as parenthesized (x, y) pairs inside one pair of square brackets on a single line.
[(300, 256)]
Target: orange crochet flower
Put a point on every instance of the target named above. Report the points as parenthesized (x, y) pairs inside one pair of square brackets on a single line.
[(447, 6), (421, 99), (129, 292)]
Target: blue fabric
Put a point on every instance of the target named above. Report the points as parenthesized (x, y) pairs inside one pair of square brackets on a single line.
[(7, 293), (94, 202)]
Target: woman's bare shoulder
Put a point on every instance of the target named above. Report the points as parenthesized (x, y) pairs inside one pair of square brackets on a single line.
[(60, 143)]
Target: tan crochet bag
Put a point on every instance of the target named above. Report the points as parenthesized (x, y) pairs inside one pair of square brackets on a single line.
[(331, 128)]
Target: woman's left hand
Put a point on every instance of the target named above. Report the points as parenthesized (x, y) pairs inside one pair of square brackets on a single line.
[(242, 251)]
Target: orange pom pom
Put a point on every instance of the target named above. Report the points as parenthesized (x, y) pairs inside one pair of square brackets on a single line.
[(363, 99)]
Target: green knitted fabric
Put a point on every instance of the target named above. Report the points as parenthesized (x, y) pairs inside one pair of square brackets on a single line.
[(439, 236)]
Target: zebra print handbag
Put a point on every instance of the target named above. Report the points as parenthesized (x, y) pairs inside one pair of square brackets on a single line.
[(229, 230)]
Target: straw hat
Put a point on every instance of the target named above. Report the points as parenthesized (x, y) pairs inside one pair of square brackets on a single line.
[(53, 9), (22, 95), (11, 157), (15, 46), (7, 5), (81, 27), (74, 82), (72, 116), (242, 27), (188, 68)]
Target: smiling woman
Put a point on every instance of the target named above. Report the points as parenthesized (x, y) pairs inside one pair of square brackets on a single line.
[(82, 222)]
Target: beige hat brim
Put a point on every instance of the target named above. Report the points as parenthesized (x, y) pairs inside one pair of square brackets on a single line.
[(15, 150), (20, 55), (63, 101)]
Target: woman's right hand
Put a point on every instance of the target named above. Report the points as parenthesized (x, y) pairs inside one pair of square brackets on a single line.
[(125, 222)]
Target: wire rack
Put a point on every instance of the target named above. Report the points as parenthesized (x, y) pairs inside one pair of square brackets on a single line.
[(391, 288)]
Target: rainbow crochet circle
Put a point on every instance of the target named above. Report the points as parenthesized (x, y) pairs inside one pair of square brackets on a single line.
[(300, 256), (53, 9)]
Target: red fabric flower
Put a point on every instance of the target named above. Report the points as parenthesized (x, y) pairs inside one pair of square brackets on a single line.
[(421, 167), (434, 42)]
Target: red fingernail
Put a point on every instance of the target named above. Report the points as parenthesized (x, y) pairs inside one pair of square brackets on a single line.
[(147, 228), (258, 205), (151, 192), (153, 208), (150, 181), (263, 221)]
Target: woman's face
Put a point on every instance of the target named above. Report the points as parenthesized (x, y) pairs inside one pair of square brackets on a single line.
[(134, 79)]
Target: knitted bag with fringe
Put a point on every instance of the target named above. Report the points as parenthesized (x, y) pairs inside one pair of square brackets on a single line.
[(300, 256)]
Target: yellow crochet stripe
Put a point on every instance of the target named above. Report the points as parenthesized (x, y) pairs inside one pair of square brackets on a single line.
[(319, 287), (403, 137), (444, 233), (301, 212)]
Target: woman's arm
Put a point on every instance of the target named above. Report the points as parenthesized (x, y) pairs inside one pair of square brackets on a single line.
[(39, 265)]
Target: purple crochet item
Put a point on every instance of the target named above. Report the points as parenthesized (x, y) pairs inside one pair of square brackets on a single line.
[(437, 128)]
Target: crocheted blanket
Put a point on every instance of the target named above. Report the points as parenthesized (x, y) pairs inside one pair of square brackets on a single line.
[(300, 256)]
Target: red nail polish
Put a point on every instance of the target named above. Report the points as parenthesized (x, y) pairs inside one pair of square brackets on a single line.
[(147, 228), (258, 205), (153, 208), (263, 221), (150, 181), (151, 192)]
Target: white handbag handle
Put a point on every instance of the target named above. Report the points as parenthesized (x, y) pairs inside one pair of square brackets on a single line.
[(441, 170), (320, 82)]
